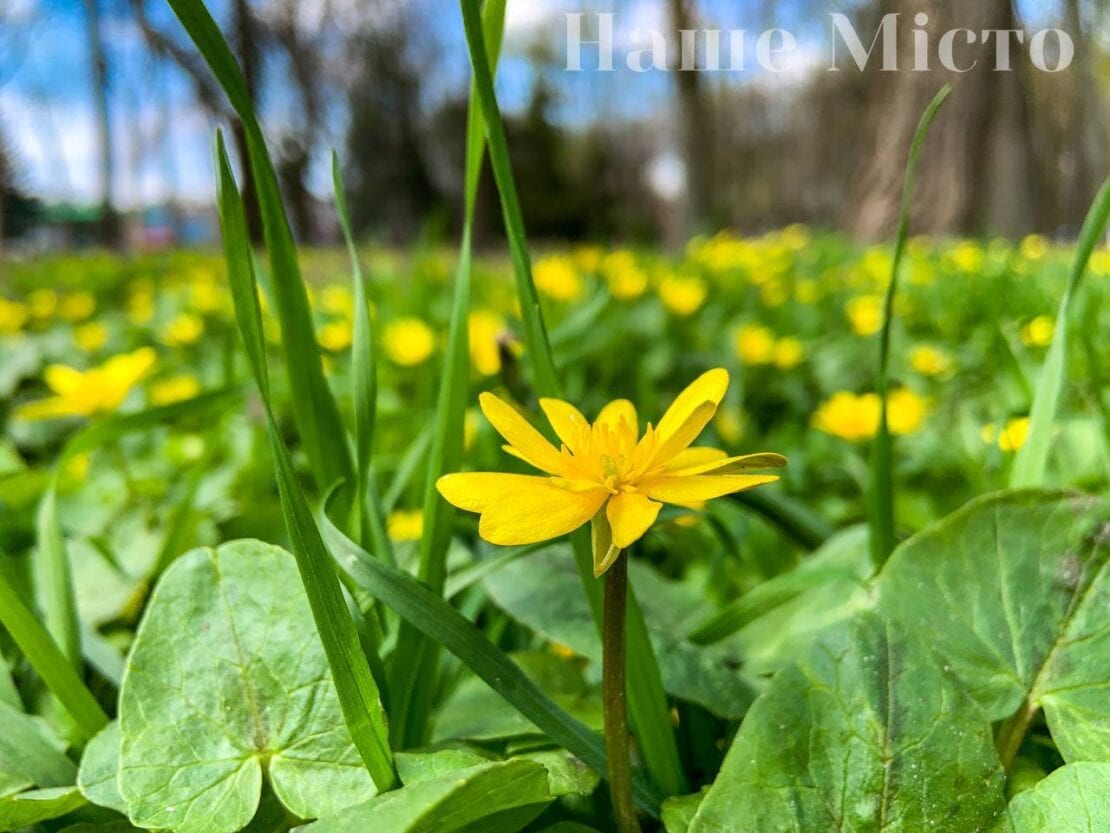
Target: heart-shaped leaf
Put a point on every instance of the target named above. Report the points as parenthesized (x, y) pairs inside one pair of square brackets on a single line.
[(227, 681), (866, 734), (1013, 592)]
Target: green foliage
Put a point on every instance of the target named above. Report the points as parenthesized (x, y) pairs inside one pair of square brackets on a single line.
[(1074, 799)]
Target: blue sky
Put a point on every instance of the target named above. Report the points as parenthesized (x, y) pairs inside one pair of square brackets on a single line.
[(46, 114)]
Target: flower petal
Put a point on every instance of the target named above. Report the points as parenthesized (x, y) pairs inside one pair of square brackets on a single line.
[(533, 448), (630, 515), (567, 421), (729, 465), (612, 414), (695, 457), (709, 387), (50, 408), (687, 490), (685, 433), (62, 379)]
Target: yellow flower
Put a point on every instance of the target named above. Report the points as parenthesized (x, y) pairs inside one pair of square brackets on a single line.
[(905, 411), (42, 303), (866, 314), (174, 389), (408, 341), (140, 302), (13, 315), (470, 428), (90, 337), (205, 295), (930, 361), (1100, 262), (338, 299), (336, 335), (807, 291), (968, 257), (730, 425), (605, 472), (77, 307), (1013, 436), (556, 277), (588, 258), (848, 416), (788, 353), (754, 344), (184, 330), (856, 418), (1034, 247), (405, 524), (1038, 332), (98, 390), (682, 296), (626, 280), (485, 327)]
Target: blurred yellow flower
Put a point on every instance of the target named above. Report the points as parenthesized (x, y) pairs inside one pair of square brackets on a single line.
[(930, 361), (485, 327), (865, 313), (754, 344), (1010, 438), (968, 257), (789, 353), (905, 411), (13, 315), (90, 337), (855, 418), (338, 299), (408, 341), (1100, 262), (140, 302), (78, 466), (336, 335), (682, 296), (77, 307), (405, 524), (848, 416), (174, 389), (796, 236), (1034, 247), (605, 471), (1038, 332), (183, 330), (626, 280), (729, 423), (471, 422), (807, 291), (205, 295), (42, 303), (97, 390), (556, 277), (774, 292), (588, 258)]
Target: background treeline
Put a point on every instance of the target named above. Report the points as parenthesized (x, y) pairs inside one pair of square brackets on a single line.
[(621, 155)]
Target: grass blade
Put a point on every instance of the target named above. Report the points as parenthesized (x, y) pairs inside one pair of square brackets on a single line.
[(414, 676), (881, 497), (314, 407), (359, 696), (647, 701), (794, 518), (367, 517), (46, 657), (1028, 470), (439, 621)]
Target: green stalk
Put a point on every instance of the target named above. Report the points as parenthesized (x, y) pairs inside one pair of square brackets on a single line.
[(881, 498), (614, 697)]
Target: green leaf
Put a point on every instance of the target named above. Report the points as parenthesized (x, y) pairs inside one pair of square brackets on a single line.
[(359, 696), (679, 811), (46, 657), (98, 777), (1074, 799), (227, 680), (29, 808), (1028, 470), (438, 620), (1012, 592), (29, 749), (415, 669), (314, 408), (543, 592), (881, 488), (867, 734), (491, 798)]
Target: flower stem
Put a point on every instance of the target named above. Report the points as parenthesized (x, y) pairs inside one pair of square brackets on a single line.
[(614, 695)]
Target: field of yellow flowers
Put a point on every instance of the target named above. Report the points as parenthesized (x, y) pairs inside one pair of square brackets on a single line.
[(777, 533)]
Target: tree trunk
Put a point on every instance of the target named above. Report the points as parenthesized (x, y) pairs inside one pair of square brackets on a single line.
[(697, 128), (977, 168), (246, 44), (109, 221)]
